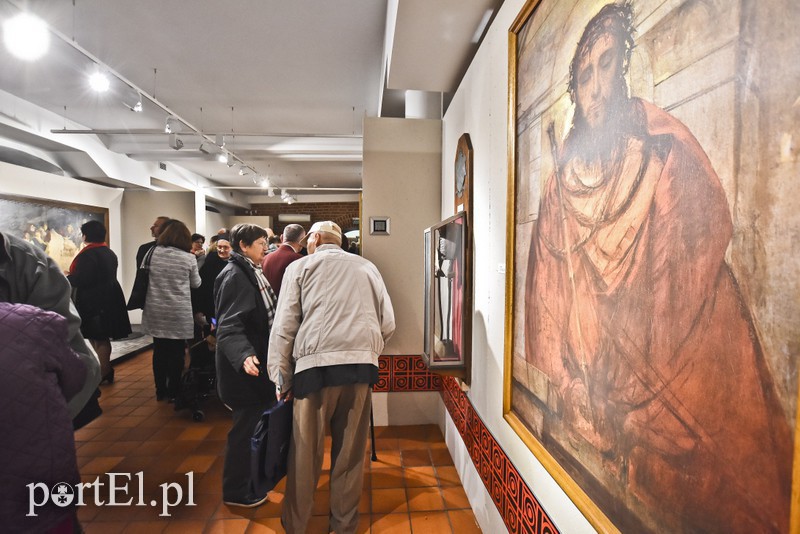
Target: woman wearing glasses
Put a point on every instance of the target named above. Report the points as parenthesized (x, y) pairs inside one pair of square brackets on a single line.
[(245, 307)]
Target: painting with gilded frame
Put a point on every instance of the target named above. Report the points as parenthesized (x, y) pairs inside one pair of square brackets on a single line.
[(53, 226), (652, 317)]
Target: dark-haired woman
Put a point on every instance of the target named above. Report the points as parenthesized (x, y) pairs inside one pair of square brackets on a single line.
[(245, 307), (98, 295), (167, 314)]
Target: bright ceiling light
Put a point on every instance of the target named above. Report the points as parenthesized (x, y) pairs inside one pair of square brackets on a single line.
[(270, 192), (222, 157), (264, 183), (99, 82), (26, 36)]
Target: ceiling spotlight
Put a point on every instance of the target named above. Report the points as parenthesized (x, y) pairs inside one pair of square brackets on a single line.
[(220, 140), (242, 170), (173, 125), (270, 192), (265, 183), (225, 158), (99, 82), (205, 148), (26, 36), (137, 107), (175, 142)]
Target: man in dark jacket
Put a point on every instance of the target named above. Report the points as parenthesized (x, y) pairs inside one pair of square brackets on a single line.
[(275, 264), (245, 307), (155, 231)]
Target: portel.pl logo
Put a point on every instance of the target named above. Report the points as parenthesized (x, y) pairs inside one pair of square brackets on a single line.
[(113, 493)]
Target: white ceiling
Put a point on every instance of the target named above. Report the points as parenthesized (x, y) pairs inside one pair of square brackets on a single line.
[(287, 82)]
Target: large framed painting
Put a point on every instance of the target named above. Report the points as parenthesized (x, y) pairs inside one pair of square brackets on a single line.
[(653, 309), (53, 226)]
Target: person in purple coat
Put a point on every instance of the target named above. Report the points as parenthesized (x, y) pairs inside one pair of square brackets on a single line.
[(39, 373)]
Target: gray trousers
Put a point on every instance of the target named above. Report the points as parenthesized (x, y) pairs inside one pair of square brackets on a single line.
[(346, 409)]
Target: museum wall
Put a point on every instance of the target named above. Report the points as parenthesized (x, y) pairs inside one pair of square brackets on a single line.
[(33, 184), (479, 108), (736, 70), (401, 177)]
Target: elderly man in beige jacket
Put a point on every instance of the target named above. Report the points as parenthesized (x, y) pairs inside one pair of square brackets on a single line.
[(334, 316)]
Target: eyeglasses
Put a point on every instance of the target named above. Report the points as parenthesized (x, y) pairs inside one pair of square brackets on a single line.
[(261, 242)]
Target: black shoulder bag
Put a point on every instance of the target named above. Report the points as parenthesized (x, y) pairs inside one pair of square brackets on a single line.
[(140, 283)]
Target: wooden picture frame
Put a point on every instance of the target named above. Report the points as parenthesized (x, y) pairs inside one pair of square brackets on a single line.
[(51, 225), (463, 176), (645, 367)]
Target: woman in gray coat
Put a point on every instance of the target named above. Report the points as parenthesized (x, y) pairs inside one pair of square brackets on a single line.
[(167, 312)]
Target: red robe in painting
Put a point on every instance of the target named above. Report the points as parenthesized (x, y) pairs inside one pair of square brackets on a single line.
[(649, 351)]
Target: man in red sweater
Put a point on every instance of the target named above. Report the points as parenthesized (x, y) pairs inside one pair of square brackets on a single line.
[(275, 263)]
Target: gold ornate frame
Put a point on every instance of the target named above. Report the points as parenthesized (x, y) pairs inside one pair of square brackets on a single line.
[(573, 490)]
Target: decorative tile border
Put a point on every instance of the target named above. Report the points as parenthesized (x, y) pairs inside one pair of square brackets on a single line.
[(521, 512), (516, 503), (405, 373)]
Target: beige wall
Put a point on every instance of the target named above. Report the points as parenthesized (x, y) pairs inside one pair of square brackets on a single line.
[(139, 210), (263, 221), (401, 180)]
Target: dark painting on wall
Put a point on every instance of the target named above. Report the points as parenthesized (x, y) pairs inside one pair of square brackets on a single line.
[(55, 227), (651, 354)]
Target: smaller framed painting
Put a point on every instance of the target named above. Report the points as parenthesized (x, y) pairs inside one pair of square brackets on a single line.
[(463, 175)]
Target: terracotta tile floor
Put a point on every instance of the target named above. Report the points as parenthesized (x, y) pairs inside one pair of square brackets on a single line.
[(412, 487)]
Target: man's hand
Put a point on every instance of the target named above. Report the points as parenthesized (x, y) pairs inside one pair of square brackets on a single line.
[(286, 396), (251, 365)]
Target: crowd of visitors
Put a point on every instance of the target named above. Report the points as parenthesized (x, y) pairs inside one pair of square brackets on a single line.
[(269, 302)]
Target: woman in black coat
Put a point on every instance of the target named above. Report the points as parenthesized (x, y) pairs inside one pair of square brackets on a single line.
[(98, 295), (245, 307), (203, 296)]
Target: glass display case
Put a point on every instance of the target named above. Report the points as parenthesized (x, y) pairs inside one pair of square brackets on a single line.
[(448, 297)]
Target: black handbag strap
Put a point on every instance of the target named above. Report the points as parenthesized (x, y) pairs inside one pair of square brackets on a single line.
[(147, 256)]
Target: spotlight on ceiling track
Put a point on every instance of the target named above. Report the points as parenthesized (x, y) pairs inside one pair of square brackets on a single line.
[(242, 170), (173, 126), (270, 192), (175, 142), (264, 183), (137, 107), (99, 82), (26, 36)]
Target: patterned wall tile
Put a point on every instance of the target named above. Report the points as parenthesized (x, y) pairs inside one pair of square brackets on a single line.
[(405, 373), (516, 503)]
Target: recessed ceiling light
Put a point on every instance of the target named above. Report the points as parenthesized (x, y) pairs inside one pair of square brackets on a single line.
[(26, 36), (99, 82)]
